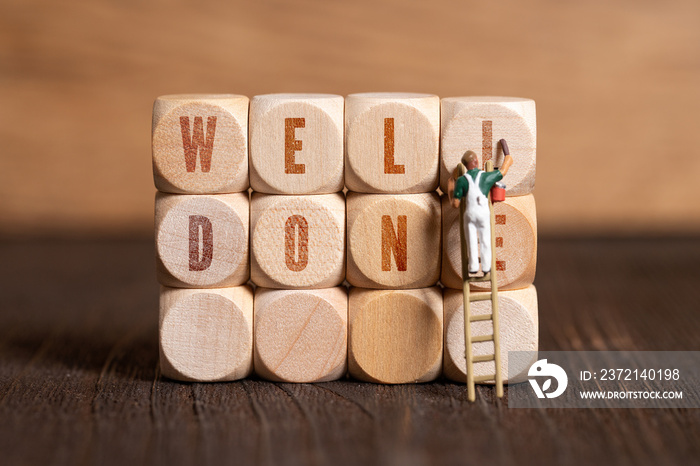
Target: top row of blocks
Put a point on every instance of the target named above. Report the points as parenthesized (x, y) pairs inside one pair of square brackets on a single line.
[(319, 143)]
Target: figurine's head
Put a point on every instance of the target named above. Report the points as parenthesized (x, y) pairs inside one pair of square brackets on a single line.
[(470, 160)]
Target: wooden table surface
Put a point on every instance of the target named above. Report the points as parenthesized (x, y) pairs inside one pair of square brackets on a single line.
[(79, 380)]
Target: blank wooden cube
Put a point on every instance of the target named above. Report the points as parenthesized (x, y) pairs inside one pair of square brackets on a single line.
[(477, 124), (395, 336), (391, 142), (298, 241), (296, 143), (516, 244), (200, 143), (301, 335), (202, 241), (206, 335), (518, 332), (393, 240)]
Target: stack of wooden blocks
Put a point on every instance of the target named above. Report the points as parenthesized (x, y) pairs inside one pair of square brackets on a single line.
[(298, 237)]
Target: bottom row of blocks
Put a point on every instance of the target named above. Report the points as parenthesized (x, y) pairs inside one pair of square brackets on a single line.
[(382, 336)]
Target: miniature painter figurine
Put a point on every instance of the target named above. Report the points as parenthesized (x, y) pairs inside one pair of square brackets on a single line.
[(477, 221), (474, 187)]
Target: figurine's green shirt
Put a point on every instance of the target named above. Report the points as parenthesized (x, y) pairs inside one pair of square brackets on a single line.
[(488, 179)]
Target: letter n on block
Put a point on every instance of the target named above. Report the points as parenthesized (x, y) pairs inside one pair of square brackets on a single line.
[(393, 240)]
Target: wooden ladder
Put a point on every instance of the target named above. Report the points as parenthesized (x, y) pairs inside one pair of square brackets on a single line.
[(469, 298)]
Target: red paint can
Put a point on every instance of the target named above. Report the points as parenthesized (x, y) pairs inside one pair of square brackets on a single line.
[(498, 192)]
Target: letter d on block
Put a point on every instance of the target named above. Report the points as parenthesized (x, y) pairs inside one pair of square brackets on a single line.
[(201, 261), (202, 240)]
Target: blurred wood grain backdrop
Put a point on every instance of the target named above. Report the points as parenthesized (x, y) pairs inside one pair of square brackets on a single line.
[(617, 84)]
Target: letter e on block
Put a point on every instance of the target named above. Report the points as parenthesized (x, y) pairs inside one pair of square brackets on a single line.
[(200, 143), (516, 244), (202, 241), (393, 240), (296, 143)]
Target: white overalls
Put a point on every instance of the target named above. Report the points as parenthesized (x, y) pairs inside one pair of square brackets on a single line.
[(477, 222)]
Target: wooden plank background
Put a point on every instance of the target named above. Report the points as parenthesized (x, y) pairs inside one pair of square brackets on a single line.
[(616, 83)]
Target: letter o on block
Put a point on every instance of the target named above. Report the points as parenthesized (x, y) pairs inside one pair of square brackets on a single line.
[(395, 336), (477, 124), (297, 241), (301, 335), (393, 240), (202, 241), (206, 335), (517, 310), (516, 244), (200, 143), (392, 142), (296, 143)]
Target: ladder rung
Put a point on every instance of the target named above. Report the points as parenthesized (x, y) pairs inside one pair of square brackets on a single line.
[(479, 297), (484, 378), (479, 279), (480, 317), (484, 358), (480, 338)]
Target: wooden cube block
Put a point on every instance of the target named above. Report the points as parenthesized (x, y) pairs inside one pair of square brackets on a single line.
[(206, 335), (301, 335), (200, 143), (391, 142), (393, 240), (298, 241), (477, 124), (296, 143), (518, 332), (516, 244), (202, 241), (395, 336)]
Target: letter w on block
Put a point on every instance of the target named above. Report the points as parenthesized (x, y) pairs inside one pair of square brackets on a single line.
[(195, 142), (394, 242)]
